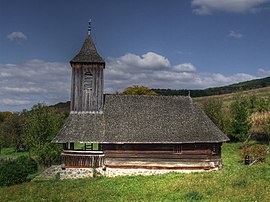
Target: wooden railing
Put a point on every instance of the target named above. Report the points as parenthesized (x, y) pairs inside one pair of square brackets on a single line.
[(82, 159)]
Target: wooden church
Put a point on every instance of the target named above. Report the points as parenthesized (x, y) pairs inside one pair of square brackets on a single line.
[(133, 131)]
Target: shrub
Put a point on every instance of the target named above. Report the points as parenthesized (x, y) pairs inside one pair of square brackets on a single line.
[(28, 163), (16, 172), (11, 172), (254, 153)]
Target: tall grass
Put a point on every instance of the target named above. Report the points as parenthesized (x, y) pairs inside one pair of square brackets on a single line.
[(11, 153)]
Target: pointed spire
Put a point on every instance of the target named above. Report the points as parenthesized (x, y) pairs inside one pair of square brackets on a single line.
[(89, 27), (88, 52)]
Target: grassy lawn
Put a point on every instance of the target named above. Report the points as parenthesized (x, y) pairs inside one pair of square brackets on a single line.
[(235, 182), (11, 153)]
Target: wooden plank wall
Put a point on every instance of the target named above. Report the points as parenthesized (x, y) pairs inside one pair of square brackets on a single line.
[(184, 156), (82, 161), (83, 100)]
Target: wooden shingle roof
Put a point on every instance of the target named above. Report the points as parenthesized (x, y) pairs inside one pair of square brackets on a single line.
[(142, 119), (88, 53)]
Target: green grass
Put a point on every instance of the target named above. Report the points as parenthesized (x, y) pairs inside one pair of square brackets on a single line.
[(235, 182), (11, 153)]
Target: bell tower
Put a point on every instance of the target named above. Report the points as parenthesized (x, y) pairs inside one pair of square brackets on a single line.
[(87, 78)]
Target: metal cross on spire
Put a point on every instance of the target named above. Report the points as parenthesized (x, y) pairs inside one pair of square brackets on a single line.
[(89, 26)]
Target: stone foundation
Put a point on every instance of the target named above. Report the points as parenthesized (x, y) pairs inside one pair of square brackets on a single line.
[(113, 172), (76, 173)]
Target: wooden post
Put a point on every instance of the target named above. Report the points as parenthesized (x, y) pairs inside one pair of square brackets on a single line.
[(65, 146), (71, 146)]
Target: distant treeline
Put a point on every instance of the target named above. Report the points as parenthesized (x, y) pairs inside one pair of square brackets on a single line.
[(247, 85)]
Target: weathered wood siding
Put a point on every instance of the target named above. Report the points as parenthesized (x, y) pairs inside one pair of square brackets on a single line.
[(149, 156), (90, 99), (163, 156), (82, 159)]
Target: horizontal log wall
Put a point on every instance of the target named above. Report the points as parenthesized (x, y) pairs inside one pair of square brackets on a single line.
[(171, 156), (150, 156)]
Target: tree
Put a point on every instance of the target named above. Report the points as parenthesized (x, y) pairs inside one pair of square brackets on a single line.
[(12, 130), (2, 139), (213, 109), (3, 117), (139, 90), (42, 124), (240, 123), (266, 129)]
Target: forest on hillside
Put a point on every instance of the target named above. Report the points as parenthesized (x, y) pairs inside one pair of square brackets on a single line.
[(242, 86)]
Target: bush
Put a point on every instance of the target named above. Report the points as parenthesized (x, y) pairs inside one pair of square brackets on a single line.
[(11, 172), (254, 153), (28, 163), (16, 172)]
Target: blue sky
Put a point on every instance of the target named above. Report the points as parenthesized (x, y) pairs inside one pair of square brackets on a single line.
[(157, 43)]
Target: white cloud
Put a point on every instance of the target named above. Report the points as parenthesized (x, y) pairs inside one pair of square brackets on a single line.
[(264, 73), (25, 90), (208, 7), (186, 67), (125, 71), (235, 34), (4, 74), (23, 85), (14, 102), (132, 62), (16, 36)]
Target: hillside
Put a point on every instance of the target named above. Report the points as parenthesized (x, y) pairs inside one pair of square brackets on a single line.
[(62, 106), (242, 86), (227, 98)]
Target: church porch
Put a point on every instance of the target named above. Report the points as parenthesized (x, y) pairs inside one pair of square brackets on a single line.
[(82, 156)]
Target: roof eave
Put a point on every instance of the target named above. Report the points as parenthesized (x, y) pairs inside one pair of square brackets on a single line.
[(188, 142), (99, 62)]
